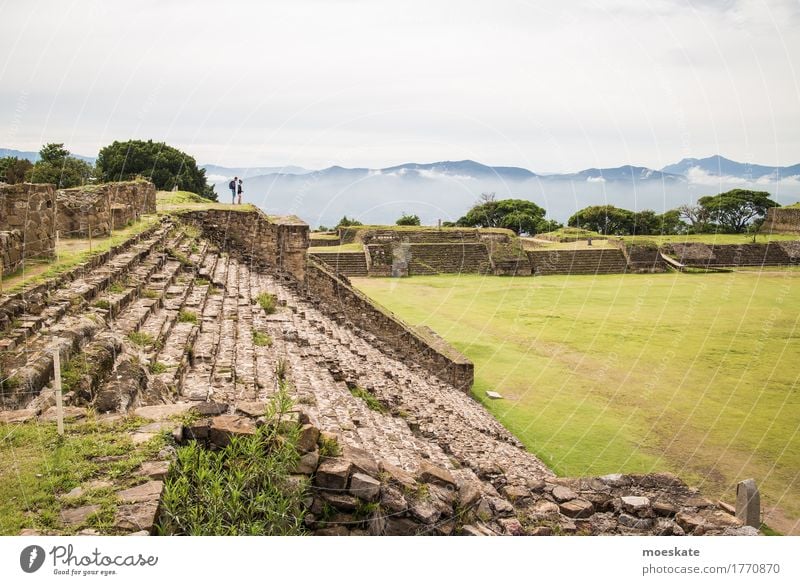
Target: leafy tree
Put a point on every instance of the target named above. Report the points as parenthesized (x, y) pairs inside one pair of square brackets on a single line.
[(166, 166), (604, 219), (56, 166), (15, 170), (520, 215), (347, 222), (734, 209), (670, 222), (697, 216), (407, 219)]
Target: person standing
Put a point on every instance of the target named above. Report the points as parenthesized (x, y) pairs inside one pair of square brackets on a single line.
[(232, 187), (240, 191)]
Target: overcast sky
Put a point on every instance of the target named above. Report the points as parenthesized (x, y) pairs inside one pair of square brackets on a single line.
[(550, 85)]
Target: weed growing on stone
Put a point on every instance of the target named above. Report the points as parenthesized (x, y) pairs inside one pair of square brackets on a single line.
[(201, 282), (74, 371), (368, 398), (281, 370), (187, 317), (243, 489), (102, 304), (116, 287), (150, 294), (157, 368), (261, 339), (329, 447), (141, 339), (268, 302)]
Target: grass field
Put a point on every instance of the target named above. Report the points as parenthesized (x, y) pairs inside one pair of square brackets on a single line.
[(695, 374)]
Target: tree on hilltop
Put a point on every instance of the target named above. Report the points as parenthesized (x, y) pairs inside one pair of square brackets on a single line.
[(166, 166), (348, 222), (407, 219), (734, 210), (519, 215), (15, 170), (57, 166)]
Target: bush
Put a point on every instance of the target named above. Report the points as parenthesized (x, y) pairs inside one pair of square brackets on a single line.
[(187, 317), (243, 489), (268, 302), (407, 219), (261, 339)]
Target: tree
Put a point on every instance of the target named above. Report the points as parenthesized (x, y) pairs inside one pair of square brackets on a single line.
[(520, 215), (734, 209), (407, 219), (670, 222), (165, 166), (644, 222), (57, 166), (696, 215), (347, 222), (15, 170), (604, 219)]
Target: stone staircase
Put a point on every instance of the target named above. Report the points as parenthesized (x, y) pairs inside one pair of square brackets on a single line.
[(600, 261), (454, 258), (347, 263)]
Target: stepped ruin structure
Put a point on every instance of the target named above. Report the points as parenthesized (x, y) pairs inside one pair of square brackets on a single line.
[(177, 333)]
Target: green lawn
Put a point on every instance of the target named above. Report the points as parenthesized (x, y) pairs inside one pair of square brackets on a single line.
[(713, 238), (696, 374)]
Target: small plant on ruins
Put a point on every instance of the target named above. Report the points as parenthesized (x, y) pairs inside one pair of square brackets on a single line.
[(73, 372), (329, 446), (116, 287), (185, 316), (201, 282), (365, 510), (102, 304), (368, 398), (281, 369), (141, 339), (243, 489), (267, 301), (149, 293), (157, 368), (179, 256), (261, 339)]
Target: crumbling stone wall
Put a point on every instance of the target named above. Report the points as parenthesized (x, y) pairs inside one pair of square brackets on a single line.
[(277, 243), (335, 296), (29, 210), (642, 257), (11, 250), (707, 255), (782, 220), (103, 208), (348, 235)]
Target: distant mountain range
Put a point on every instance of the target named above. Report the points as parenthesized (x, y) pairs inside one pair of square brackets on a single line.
[(34, 156), (446, 189)]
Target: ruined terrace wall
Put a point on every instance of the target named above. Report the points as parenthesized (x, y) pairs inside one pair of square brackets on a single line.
[(782, 220), (335, 296), (27, 209), (100, 209), (278, 244)]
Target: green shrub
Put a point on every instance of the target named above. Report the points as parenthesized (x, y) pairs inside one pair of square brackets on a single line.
[(268, 302), (141, 339), (187, 317), (116, 287), (368, 398), (242, 489), (329, 447), (261, 339), (150, 293), (102, 304), (157, 368)]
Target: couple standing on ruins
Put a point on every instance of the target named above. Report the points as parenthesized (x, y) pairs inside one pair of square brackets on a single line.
[(234, 185)]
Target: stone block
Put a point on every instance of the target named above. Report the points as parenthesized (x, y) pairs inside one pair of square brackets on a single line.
[(333, 474), (576, 508), (365, 487), (225, 426), (431, 474)]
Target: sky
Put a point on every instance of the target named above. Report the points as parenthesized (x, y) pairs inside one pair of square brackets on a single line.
[(552, 86)]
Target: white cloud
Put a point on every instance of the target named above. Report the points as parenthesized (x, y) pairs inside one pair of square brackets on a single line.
[(595, 180)]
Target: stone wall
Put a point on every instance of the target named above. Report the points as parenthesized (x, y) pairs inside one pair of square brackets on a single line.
[(11, 250), (335, 296), (272, 242), (705, 255), (378, 235), (782, 220), (29, 210), (641, 257), (103, 208)]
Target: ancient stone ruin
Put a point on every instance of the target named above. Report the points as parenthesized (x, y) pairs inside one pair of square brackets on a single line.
[(782, 220), (179, 332), (27, 224)]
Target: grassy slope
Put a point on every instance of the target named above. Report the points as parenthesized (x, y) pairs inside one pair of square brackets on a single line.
[(691, 373)]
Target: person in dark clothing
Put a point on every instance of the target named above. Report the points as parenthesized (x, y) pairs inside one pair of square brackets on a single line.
[(232, 187), (240, 191)]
